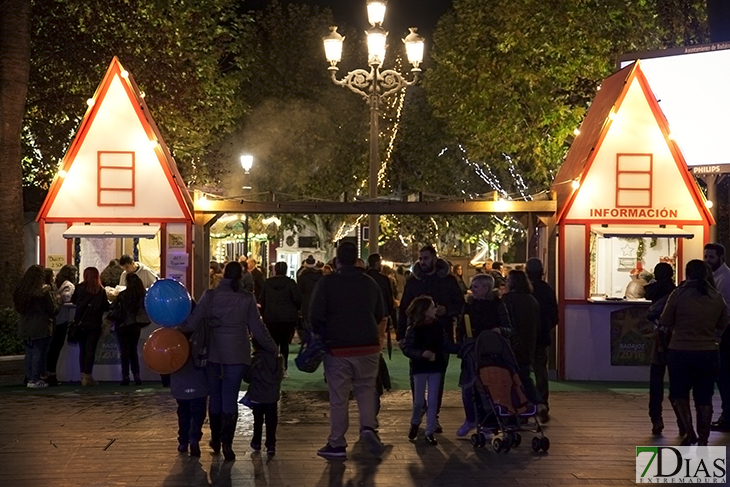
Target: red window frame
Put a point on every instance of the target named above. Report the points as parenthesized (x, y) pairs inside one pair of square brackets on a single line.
[(649, 172), (101, 167)]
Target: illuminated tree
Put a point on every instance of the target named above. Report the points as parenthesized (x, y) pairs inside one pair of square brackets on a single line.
[(186, 56), (513, 80)]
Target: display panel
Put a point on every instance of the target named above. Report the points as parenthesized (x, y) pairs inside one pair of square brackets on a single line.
[(691, 87)]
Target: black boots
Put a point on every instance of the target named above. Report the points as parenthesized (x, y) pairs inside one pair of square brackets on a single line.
[(684, 416), (657, 426), (704, 420), (682, 432), (215, 432), (228, 429)]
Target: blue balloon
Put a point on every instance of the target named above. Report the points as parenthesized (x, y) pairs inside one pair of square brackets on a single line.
[(167, 303)]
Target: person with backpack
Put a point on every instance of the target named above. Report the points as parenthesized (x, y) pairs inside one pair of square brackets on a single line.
[(232, 315)]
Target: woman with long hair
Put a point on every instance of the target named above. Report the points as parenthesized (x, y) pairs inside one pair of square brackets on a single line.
[(91, 303), (524, 314), (37, 306), (129, 316), (215, 274), (231, 313), (459, 274), (65, 286), (696, 316)]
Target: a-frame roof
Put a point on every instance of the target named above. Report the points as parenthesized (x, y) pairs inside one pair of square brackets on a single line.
[(116, 121), (595, 128)]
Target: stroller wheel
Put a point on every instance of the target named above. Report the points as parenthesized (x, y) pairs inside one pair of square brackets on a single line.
[(483, 439), (507, 442), (545, 443), (497, 445), (476, 441), (516, 439), (536, 444)]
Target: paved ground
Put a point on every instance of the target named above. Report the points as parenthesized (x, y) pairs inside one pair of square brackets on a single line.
[(114, 436)]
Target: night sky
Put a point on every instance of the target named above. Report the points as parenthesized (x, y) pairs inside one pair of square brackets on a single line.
[(400, 14)]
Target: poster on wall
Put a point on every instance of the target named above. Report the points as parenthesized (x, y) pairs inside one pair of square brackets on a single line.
[(631, 336), (55, 262)]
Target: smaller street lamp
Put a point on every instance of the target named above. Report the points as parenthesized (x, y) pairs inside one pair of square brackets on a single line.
[(246, 164)]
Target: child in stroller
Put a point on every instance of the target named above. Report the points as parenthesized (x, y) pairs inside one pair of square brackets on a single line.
[(501, 396)]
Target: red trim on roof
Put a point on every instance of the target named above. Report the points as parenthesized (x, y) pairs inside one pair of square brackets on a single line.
[(163, 154), (580, 158)]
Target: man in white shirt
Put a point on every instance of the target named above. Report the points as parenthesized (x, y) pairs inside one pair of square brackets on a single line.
[(147, 275), (714, 256)]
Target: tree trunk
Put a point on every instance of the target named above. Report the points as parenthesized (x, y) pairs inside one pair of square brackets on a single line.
[(14, 69)]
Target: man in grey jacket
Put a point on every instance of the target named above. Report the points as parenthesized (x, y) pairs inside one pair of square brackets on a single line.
[(346, 311)]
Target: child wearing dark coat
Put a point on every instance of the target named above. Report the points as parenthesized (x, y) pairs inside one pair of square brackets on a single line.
[(264, 378), (427, 345), (189, 386)]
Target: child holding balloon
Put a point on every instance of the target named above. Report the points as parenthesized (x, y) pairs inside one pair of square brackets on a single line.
[(189, 386)]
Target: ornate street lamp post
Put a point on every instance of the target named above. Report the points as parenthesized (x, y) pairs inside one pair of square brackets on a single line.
[(374, 86)]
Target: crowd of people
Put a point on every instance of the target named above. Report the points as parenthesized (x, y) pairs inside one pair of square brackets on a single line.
[(351, 305), (353, 310), (691, 342), (54, 309)]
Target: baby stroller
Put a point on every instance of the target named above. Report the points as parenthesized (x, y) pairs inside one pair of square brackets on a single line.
[(506, 411)]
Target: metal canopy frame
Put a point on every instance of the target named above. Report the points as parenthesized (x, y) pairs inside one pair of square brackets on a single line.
[(207, 211)]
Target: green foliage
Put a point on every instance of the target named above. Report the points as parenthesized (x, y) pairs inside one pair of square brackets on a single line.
[(10, 344), (186, 56), (514, 79)]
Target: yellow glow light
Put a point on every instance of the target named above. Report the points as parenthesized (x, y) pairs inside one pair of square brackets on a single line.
[(62, 174), (501, 205), (90, 102), (153, 144), (708, 204), (612, 116), (576, 131), (125, 74), (575, 184)]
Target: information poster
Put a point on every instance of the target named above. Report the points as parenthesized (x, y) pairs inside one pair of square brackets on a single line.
[(631, 336)]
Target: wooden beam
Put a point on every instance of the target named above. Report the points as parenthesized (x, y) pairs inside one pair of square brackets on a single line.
[(376, 207)]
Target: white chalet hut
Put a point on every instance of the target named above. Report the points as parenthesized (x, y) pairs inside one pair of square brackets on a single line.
[(118, 190), (626, 201)]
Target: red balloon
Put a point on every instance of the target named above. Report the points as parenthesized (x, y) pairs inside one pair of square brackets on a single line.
[(166, 350)]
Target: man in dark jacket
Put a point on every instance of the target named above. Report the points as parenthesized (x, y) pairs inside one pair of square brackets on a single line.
[(306, 282), (258, 277), (386, 289), (545, 296), (345, 311), (432, 276), (280, 303)]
